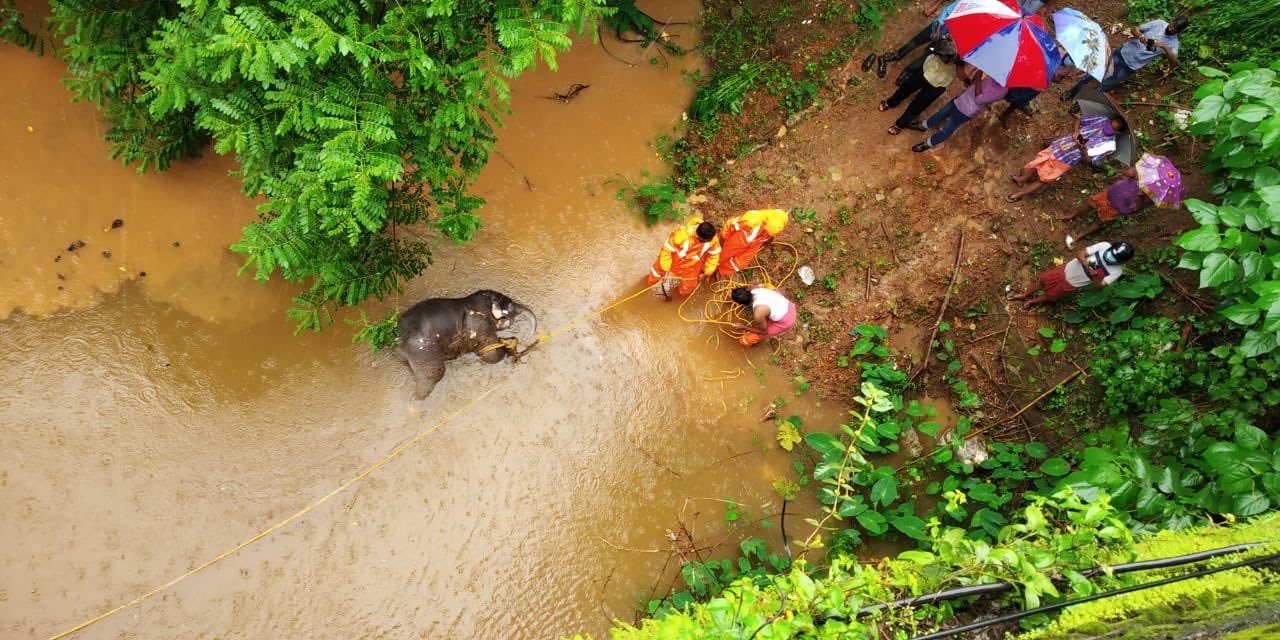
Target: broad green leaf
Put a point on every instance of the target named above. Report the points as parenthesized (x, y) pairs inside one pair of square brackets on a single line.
[(1205, 238), (1218, 269), (1122, 314), (1249, 436), (1242, 314), (917, 557), (824, 443), (787, 434), (1252, 112), (910, 525), (1211, 108), (885, 490), (1037, 449), (1256, 343), (1055, 467), (873, 521), (1203, 212), (1251, 504), (1058, 345), (1210, 72)]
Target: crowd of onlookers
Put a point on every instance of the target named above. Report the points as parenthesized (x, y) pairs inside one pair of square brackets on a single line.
[(698, 250), (1094, 137)]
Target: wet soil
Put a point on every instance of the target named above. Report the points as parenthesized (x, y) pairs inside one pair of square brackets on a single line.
[(882, 226)]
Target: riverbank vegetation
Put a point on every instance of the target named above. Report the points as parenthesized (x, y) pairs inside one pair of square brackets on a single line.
[(355, 123)]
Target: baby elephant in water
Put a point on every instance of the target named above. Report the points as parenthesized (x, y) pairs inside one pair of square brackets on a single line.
[(441, 329)]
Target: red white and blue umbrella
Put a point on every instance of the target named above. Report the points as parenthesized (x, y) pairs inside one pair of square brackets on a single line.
[(1011, 48)]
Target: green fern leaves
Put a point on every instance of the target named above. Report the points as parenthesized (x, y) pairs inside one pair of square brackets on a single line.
[(349, 117)]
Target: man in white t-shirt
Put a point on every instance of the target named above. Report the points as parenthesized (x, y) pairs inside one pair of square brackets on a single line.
[(1098, 265), (771, 313)]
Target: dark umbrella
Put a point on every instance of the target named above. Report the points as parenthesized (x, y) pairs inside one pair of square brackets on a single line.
[(1096, 103)]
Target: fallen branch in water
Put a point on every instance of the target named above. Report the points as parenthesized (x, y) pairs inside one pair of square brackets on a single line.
[(568, 95)]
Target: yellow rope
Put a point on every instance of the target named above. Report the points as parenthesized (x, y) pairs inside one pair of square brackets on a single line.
[(273, 528), (720, 310), (342, 487)]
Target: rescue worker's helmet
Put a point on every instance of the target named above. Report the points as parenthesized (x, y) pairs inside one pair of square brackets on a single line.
[(1119, 253), (706, 231)]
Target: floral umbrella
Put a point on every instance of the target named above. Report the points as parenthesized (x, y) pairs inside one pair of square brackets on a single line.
[(1160, 180), (1084, 40), (1011, 48)]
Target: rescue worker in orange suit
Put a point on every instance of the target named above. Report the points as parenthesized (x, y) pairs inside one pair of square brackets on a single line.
[(690, 253), (741, 238)]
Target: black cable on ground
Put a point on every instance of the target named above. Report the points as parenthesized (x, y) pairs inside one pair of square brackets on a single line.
[(1017, 615), (999, 587)]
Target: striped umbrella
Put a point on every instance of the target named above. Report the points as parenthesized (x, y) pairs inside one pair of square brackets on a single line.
[(1011, 48)]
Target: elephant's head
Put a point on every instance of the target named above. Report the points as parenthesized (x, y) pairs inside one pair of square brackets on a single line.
[(505, 310)]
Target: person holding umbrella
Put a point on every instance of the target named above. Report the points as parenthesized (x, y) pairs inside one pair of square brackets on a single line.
[(1154, 180), (1149, 42), (1094, 137)]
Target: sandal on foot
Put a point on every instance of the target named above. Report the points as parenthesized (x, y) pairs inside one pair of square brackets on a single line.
[(1012, 198), (880, 68), (884, 105), (868, 61), (915, 125), (895, 130)]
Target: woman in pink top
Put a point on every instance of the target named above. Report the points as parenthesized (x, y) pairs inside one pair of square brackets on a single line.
[(982, 92), (771, 313)]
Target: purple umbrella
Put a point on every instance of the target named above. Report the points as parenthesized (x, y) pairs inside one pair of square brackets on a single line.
[(1160, 180)]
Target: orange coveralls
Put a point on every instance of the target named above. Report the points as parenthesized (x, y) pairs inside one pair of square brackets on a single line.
[(742, 237), (686, 257)]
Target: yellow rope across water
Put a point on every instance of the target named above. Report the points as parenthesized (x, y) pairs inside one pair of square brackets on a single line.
[(719, 288), (395, 453)]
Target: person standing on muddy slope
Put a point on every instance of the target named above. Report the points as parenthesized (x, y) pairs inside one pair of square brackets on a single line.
[(928, 78), (691, 253), (982, 91), (771, 313), (931, 32), (741, 238)]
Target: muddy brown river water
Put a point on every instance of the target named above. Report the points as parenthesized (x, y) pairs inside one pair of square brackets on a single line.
[(151, 422)]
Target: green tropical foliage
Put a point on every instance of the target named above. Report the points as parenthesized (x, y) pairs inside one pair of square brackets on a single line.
[(351, 119), (1237, 247), (1057, 537)]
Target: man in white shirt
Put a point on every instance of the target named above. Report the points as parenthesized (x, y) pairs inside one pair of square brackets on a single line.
[(1098, 265), (771, 313)]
